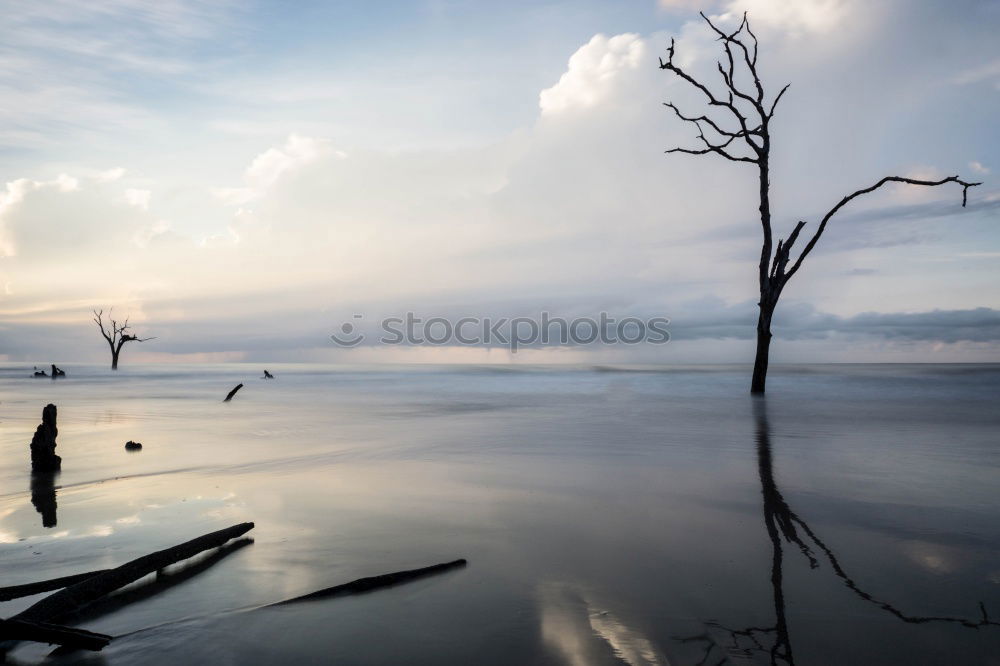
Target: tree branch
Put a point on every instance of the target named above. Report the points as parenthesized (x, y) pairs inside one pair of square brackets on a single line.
[(774, 104), (713, 149), (705, 119), (751, 62), (98, 314), (781, 254), (119, 333), (135, 338), (712, 99), (850, 197), (757, 139)]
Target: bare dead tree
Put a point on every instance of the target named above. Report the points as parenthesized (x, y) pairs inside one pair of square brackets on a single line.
[(116, 334), (739, 130)]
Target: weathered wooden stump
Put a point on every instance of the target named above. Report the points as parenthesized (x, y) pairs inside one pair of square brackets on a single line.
[(43, 444)]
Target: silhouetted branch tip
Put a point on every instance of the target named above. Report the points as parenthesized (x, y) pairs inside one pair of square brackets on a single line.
[(774, 104)]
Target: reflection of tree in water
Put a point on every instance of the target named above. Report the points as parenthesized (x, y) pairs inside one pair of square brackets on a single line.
[(781, 522), (43, 496)]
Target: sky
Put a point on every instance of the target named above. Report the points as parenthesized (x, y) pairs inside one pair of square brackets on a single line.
[(240, 178)]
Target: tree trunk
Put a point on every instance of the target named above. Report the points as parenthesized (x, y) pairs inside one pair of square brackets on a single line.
[(763, 345), (115, 351)]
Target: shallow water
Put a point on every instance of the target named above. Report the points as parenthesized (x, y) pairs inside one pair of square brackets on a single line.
[(609, 515)]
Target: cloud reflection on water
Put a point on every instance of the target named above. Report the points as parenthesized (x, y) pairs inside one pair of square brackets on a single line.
[(585, 635)]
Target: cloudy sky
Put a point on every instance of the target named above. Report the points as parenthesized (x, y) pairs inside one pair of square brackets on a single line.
[(242, 177)]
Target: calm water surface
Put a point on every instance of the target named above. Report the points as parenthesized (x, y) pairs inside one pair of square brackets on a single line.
[(610, 516)]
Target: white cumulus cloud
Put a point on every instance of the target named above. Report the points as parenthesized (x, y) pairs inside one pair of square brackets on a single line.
[(595, 72), (268, 167), (138, 198), (798, 17)]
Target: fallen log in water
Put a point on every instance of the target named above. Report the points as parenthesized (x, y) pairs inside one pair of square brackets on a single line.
[(154, 585), (53, 634), (28, 589), (81, 590), (75, 597), (233, 392), (362, 585)]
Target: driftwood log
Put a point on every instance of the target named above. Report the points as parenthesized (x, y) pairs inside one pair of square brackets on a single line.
[(233, 392), (80, 590), (151, 586), (28, 589), (53, 634), (362, 585), (88, 590)]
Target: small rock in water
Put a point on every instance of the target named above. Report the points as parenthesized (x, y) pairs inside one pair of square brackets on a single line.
[(133, 446)]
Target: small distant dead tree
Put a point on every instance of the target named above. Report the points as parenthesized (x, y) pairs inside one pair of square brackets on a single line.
[(116, 335), (740, 132)]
